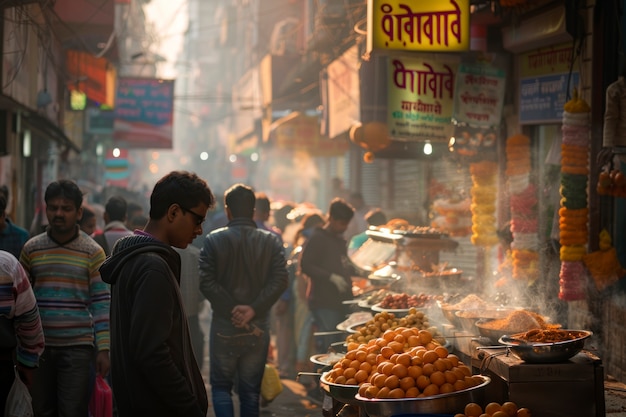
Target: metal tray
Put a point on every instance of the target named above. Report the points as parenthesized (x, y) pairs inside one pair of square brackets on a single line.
[(342, 393), (451, 403), (546, 352)]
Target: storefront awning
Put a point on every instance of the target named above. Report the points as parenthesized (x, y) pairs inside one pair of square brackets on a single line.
[(38, 121)]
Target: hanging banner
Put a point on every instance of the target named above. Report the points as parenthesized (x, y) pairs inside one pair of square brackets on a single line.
[(91, 75), (343, 93), (116, 168), (143, 113), (420, 97), (479, 95), (424, 25)]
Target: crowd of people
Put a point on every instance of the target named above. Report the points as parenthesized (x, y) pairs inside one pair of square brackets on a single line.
[(124, 301)]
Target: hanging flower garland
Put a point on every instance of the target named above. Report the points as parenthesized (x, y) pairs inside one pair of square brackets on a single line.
[(523, 201), (483, 207), (573, 212)]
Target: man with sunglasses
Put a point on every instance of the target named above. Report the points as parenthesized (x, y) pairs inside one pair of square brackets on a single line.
[(242, 273), (153, 368)]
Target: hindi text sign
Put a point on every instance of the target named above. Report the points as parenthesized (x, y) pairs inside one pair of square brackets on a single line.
[(420, 98), (479, 95), (545, 83), (144, 113), (418, 25)]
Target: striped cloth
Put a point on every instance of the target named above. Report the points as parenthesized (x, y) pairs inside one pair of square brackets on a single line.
[(18, 305), (72, 298)]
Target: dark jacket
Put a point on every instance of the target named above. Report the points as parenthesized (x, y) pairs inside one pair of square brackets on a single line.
[(153, 370), (240, 264), (324, 254)]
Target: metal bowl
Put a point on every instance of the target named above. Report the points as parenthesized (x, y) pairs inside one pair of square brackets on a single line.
[(398, 312), (449, 313), (491, 334), (494, 335), (327, 359), (468, 318), (450, 403), (546, 352), (340, 392)]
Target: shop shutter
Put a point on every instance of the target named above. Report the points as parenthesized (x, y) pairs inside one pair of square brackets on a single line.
[(371, 186), (409, 190), (456, 177)]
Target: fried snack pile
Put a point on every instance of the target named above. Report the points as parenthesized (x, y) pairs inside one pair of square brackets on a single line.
[(548, 335), (519, 321)]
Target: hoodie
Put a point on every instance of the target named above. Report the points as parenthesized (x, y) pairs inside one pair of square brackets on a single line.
[(153, 370)]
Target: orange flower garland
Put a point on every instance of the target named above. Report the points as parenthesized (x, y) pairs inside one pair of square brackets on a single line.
[(483, 207), (524, 249), (574, 212)]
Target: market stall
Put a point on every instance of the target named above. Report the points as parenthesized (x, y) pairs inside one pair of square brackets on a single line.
[(407, 259)]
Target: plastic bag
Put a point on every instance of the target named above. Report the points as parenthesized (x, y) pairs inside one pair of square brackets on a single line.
[(101, 401), (270, 385), (19, 402)]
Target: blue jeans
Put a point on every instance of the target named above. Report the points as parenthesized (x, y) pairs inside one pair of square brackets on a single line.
[(61, 383), (236, 354), (327, 320)]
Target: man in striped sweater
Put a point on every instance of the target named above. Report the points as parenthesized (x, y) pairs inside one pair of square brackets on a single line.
[(63, 264), (21, 335)]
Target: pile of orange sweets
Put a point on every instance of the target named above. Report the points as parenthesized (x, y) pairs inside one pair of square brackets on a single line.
[(494, 409), (403, 363)]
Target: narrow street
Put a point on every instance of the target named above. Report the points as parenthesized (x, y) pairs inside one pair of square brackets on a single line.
[(293, 401)]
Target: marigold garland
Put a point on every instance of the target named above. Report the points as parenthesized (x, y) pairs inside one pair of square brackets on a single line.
[(483, 207), (523, 202), (573, 212)]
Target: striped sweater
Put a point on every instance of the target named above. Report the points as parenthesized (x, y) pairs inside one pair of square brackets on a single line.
[(72, 298), (19, 307)]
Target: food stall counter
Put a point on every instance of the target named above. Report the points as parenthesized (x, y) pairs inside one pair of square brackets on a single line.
[(573, 388)]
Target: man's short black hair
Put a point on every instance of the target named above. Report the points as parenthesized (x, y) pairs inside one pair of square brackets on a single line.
[(88, 214), (3, 204), (179, 187), (262, 204), (375, 217), (64, 189), (116, 208), (240, 200), (340, 210)]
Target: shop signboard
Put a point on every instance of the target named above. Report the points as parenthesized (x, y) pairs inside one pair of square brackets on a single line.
[(143, 113), (479, 95), (99, 122), (117, 168), (424, 25), (420, 97), (91, 75), (546, 83)]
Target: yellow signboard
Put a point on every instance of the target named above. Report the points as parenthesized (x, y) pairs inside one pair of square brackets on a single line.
[(555, 59), (418, 25), (420, 97)]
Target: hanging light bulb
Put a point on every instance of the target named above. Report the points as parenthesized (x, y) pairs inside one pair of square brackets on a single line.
[(428, 148)]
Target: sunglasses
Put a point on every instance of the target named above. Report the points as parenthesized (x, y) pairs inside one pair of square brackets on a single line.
[(199, 218)]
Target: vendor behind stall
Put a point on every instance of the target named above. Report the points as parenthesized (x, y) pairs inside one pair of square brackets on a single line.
[(329, 270)]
